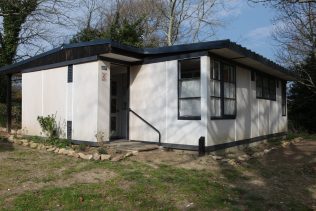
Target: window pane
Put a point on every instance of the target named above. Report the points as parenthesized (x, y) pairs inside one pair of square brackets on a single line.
[(272, 89), (215, 88), (265, 87), (229, 107), (259, 86), (226, 73), (190, 88), (229, 90), (216, 71), (190, 68), (215, 107), (190, 107)]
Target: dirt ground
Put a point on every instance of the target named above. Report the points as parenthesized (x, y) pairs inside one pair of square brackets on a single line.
[(283, 174)]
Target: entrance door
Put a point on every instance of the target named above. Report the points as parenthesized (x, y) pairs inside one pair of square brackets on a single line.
[(119, 102), (114, 110)]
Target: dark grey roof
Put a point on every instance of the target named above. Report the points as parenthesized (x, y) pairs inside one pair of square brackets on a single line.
[(70, 52)]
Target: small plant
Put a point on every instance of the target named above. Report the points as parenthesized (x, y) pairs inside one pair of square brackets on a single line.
[(82, 147), (102, 150), (49, 126)]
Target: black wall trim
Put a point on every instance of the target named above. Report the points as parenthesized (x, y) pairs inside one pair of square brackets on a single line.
[(61, 64), (196, 147), (245, 141), (224, 145)]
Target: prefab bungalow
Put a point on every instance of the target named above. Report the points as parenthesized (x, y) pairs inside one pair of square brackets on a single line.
[(218, 94)]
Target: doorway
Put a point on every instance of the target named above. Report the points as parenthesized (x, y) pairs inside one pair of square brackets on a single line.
[(119, 102)]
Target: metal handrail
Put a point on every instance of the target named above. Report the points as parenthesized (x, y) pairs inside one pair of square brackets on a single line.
[(150, 125)]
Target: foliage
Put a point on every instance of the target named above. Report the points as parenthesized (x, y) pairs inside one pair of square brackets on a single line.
[(102, 150), (302, 101), (88, 34), (127, 33), (14, 15), (2, 115), (82, 147), (60, 143), (121, 30), (49, 126)]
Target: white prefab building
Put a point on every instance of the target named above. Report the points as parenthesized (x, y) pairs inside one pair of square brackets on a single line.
[(216, 93)]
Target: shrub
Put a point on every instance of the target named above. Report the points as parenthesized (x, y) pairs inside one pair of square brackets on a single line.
[(49, 125), (3, 114), (60, 143), (82, 147), (102, 150)]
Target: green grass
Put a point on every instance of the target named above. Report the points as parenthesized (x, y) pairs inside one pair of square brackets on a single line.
[(61, 143), (166, 188), (138, 186)]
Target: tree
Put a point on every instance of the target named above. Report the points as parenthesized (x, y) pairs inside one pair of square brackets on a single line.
[(163, 22), (88, 34), (190, 20), (295, 35), (121, 30), (127, 33), (23, 24), (14, 15), (301, 101)]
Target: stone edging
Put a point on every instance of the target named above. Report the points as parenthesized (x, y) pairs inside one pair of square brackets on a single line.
[(69, 152), (235, 160)]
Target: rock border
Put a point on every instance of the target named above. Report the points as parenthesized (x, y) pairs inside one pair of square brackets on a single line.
[(238, 159), (69, 152)]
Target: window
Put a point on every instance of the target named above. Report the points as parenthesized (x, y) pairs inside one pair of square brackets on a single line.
[(69, 130), (189, 90), (70, 73), (266, 87), (284, 99), (223, 90)]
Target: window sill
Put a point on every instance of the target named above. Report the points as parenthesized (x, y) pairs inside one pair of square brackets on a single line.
[(262, 98), (224, 117), (189, 118)]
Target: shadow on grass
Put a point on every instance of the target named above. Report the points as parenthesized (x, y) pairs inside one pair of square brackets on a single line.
[(5, 145), (281, 180)]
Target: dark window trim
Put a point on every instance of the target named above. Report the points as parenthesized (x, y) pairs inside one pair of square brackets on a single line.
[(69, 130), (222, 98), (183, 98), (264, 75), (284, 99), (70, 74)]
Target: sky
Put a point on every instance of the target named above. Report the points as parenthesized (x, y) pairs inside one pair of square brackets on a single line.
[(250, 25)]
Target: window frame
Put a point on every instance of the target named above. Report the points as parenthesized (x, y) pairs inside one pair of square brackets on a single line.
[(70, 73), (187, 98), (283, 99), (268, 78), (222, 98)]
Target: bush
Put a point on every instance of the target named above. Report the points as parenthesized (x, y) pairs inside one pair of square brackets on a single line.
[(3, 114), (82, 147), (49, 126), (60, 143), (102, 150)]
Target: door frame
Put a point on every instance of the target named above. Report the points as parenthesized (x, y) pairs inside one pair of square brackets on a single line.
[(127, 98)]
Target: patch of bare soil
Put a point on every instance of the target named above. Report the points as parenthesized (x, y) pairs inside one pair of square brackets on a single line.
[(178, 158)]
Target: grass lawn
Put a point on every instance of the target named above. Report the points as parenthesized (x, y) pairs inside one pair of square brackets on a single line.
[(38, 180)]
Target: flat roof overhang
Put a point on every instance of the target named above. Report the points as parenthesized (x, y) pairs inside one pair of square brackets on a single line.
[(114, 51)]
